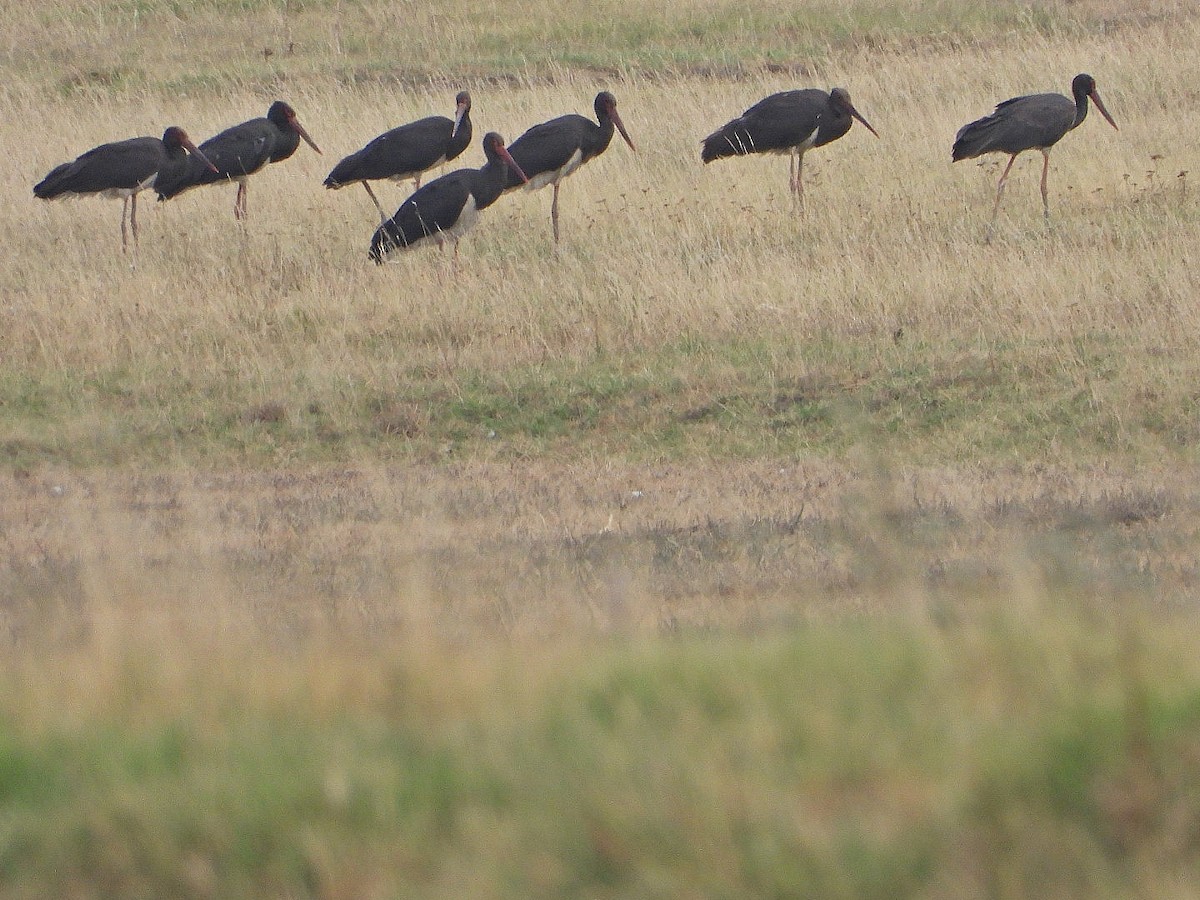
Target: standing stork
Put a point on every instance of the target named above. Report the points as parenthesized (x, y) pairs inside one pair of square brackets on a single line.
[(551, 151), (407, 151), (240, 151), (1033, 122), (791, 122), (446, 207), (123, 169)]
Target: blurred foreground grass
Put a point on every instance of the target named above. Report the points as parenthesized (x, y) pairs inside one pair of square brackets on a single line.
[(549, 681), (1045, 751)]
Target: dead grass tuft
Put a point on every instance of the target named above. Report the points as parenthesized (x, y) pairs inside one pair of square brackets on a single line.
[(269, 413)]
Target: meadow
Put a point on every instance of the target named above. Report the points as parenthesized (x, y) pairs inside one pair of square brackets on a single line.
[(722, 550)]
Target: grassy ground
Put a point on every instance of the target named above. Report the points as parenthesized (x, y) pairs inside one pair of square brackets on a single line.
[(722, 551), (691, 309), (862, 759)]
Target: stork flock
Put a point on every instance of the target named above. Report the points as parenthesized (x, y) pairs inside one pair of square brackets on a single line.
[(789, 122)]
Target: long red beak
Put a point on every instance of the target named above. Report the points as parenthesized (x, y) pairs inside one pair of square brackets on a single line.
[(616, 117), (512, 163), (854, 112), (195, 151), (304, 134), (458, 117), (1104, 112)]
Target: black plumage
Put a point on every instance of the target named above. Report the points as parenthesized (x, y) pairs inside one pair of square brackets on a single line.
[(123, 169), (1033, 122), (549, 152), (407, 151), (791, 122), (240, 151), (446, 207)]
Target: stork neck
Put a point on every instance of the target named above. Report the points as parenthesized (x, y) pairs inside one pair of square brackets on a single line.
[(605, 135), (1081, 109), (462, 137), (490, 182)]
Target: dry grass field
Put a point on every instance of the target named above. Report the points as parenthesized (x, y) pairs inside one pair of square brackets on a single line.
[(719, 551)]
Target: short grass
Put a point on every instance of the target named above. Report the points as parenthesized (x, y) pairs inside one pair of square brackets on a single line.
[(722, 551), (75, 48)]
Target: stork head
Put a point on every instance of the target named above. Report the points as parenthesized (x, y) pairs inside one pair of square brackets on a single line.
[(493, 149), (840, 98), (606, 108), (175, 138), (1084, 85), (462, 106), (284, 116)]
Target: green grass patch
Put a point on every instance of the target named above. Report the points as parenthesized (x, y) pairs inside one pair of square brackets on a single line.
[(854, 760), (824, 398), (469, 40)]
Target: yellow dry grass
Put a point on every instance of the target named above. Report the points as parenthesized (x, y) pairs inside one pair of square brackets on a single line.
[(659, 250), (530, 551), (657, 246)]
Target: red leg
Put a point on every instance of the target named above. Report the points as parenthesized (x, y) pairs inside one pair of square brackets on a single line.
[(800, 179), (124, 237), (554, 212), (999, 194), (1045, 193), (382, 215)]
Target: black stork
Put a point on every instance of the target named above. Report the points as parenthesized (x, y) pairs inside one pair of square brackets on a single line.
[(790, 122), (1033, 122), (446, 207), (551, 151), (122, 169), (240, 151), (407, 151)]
